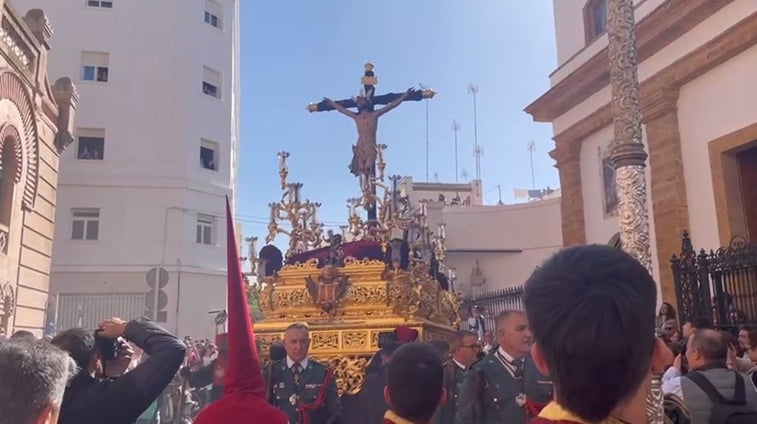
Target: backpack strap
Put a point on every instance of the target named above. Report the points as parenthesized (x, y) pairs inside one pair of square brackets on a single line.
[(739, 397), (703, 383)]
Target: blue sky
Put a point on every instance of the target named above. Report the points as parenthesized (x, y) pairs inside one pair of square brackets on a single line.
[(298, 51)]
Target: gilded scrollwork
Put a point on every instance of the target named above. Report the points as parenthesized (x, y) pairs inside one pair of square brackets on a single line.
[(324, 341), (351, 261), (353, 340), (366, 294), (349, 372)]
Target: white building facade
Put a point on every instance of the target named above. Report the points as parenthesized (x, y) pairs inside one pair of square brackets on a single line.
[(141, 194), (696, 70), (490, 247)]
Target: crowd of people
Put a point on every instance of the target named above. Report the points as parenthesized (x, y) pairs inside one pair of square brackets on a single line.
[(583, 351)]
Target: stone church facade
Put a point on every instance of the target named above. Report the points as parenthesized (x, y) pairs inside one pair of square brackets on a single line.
[(36, 125)]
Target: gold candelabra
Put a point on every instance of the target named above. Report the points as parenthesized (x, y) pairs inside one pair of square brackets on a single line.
[(305, 230)]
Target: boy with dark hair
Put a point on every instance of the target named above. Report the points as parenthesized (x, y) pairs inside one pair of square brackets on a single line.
[(414, 385), (592, 315)]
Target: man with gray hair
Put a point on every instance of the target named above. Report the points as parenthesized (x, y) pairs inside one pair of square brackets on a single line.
[(33, 377)]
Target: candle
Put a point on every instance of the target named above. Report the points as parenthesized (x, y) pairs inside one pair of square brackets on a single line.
[(273, 212), (423, 208), (441, 231)]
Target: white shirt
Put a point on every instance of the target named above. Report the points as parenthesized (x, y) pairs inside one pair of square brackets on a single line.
[(671, 382), (459, 365), (303, 363), (509, 365)]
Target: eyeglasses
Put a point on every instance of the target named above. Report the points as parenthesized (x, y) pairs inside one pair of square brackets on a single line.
[(475, 346)]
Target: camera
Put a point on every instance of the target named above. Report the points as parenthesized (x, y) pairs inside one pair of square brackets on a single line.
[(108, 348)]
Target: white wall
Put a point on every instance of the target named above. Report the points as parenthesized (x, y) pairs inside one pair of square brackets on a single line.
[(150, 185), (572, 50), (715, 104), (508, 241), (705, 31)]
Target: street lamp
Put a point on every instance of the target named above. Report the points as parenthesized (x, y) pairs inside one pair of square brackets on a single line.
[(629, 156)]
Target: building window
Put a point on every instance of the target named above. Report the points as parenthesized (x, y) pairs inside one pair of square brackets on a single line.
[(104, 4), (595, 19), (209, 155), (95, 66), (211, 82), (213, 13), (86, 224), (90, 144), (204, 229)]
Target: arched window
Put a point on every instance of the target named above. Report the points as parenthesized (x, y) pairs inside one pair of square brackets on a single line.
[(595, 19), (8, 173)]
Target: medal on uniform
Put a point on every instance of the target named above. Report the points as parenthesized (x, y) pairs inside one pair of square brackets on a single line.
[(293, 400), (520, 400)]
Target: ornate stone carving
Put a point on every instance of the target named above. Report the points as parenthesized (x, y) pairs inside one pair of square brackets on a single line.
[(13, 89), (39, 25), (66, 97)]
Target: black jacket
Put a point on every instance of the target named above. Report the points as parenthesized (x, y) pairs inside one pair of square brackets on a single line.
[(88, 400), (203, 377)]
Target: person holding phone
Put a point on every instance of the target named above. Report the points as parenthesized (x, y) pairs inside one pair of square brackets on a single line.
[(102, 392)]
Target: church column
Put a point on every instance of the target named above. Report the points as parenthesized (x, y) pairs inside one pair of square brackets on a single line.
[(567, 156), (668, 188)]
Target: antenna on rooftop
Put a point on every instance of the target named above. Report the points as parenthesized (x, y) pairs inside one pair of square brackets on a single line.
[(456, 129)]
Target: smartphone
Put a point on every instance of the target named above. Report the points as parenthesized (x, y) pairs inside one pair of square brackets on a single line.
[(108, 348)]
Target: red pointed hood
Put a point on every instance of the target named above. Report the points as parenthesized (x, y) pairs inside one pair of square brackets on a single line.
[(243, 399), (243, 373)]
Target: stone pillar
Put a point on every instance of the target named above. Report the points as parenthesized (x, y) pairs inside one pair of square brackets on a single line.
[(668, 188), (567, 156)]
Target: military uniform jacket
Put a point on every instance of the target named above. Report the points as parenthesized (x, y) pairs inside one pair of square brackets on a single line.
[(454, 377), (288, 397), (488, 394)]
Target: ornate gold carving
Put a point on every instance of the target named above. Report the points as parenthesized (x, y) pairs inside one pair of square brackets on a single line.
[(349, 372), (324, 341), (328, 292), (354, 340)]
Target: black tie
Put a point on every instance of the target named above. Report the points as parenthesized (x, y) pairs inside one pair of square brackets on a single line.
[(296, 373), (518, 372)]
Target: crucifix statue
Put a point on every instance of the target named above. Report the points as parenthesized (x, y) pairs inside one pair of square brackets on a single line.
[(366, 118)]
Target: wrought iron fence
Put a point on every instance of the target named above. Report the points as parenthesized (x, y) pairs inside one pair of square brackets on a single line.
[(491, 303), (720, 285)]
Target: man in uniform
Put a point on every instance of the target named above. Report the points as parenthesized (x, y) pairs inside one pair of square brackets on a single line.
[(304, 389), (505, 386), (464, 347)]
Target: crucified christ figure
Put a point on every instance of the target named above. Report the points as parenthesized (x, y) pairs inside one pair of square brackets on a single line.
[(366, 120)]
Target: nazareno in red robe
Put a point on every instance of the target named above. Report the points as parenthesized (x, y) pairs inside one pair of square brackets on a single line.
[(244, 393)]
